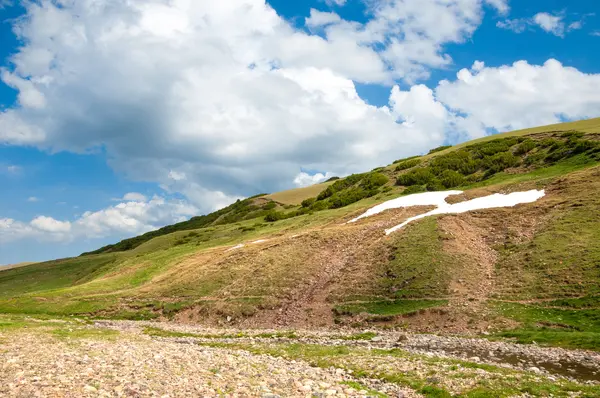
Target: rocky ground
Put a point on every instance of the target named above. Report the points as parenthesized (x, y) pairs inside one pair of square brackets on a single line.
[(33, 364), (70, 358)]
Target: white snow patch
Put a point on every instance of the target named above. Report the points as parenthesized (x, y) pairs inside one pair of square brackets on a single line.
[(487, 202), (236, 247), (259, 241), (418, 199)]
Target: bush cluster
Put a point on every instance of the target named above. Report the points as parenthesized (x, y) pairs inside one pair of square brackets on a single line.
[(408, 164), (341, 193), (439, 149), (483, 160)]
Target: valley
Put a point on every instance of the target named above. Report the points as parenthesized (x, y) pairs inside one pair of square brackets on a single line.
[(474, 272)]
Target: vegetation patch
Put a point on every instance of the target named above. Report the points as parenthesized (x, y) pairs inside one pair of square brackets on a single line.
[(553, 326), (478, 162), (395, 307)]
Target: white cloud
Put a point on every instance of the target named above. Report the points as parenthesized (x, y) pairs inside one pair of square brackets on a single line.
[(500, 5), (595, 33), (124, 219), (226, 96), (176, 176), (338, 3), (575, 25), (518, 25), (520, 96), (134, 196), (33, 199), (219, 100), (49, 224), (10, 169), (29, 96), (304, 179), (319, 18), (550, 23), (133, 217)]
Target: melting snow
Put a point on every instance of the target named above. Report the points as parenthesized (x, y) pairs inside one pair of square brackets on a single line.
[(486, 202), (236, 247), (418, 199), (259, 241), (439, 199)]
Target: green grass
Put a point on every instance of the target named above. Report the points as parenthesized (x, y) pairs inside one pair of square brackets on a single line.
[(552, 326), (53, 275), (154, 277), (396, 307), (418, 265), (363, 363)]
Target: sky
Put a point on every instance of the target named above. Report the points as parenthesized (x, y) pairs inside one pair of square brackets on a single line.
[(117, 118)]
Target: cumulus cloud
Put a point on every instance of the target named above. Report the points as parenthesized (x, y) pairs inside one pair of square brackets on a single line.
[(496, 97), (227, 94), (220, 100), (304, 179), (33, 199), (49, 224), (124, 219)]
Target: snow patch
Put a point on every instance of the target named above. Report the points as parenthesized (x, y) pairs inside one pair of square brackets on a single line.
[(259, 241), (487, 202), (236, 247), (418, 199)]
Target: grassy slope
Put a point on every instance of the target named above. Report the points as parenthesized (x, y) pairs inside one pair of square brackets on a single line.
[(193, 269), (296, 196)]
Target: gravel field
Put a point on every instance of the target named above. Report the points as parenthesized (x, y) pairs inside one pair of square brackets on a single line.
[(132, 365)]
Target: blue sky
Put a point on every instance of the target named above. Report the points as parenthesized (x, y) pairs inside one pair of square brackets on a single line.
[(119, 120)]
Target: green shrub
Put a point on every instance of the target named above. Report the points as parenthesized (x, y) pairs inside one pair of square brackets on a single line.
[(434, 186), (405, 159), (373, 180), (349, 196), (493, 147), (534, 158), (414, 189), (451, 179), (420, 176), (270, 206), (439, 149), (408, 164), (340, 185), (333, 179), (500, 162), (525, 147), (572, 134), (319, 205), (275, 216), (308, 202), (461, 161)]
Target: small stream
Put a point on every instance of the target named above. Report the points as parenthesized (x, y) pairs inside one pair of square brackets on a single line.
[(562, 367)]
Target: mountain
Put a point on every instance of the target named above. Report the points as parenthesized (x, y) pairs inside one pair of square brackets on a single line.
[(290, 259)]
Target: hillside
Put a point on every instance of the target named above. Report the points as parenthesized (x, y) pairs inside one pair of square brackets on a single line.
[(528, 272)]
